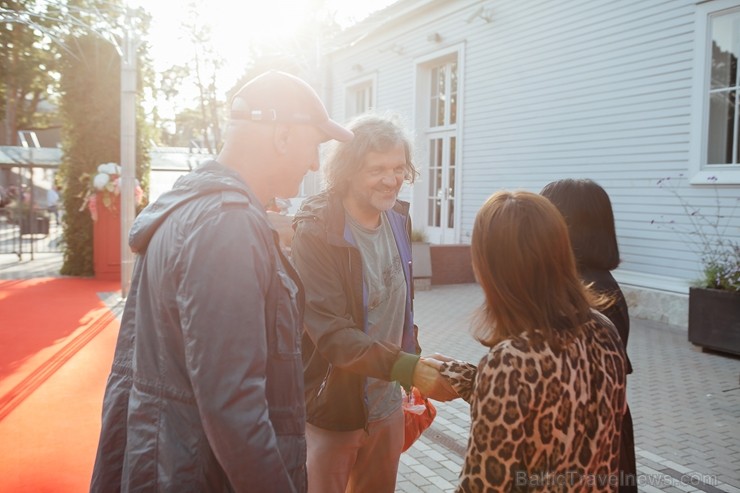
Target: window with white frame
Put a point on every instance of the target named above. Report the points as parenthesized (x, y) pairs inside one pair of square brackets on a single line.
[(716, 136), (360, 98), (440, 112), (722, 136), (443, 94)]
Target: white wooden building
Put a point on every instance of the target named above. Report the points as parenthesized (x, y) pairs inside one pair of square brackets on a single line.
[(513, 94)]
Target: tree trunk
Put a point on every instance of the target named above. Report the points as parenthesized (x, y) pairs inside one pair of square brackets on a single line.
[(11, 133)]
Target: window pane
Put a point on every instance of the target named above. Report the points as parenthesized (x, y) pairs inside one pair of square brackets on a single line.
[(433, 97), (438, 160), (433, 112), (453, 76), (434, 202), (441, 111), (453, 93), (451, 186), (725, 44), (442, 95), (450, 213), (721, 127), (453, 109), (359, 98), (453, 144), (432, 165), (437, 99), (441, 81), (451, 169)]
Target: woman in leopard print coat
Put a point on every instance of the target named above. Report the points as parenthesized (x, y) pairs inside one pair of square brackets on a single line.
[(547, 400)]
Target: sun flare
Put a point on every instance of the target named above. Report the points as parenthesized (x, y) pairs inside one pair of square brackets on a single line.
[(235, 24)]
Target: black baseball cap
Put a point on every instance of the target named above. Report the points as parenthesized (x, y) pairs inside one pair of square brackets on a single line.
[(280, 97)]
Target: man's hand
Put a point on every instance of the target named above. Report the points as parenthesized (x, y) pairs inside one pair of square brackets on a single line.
[(431, 384)]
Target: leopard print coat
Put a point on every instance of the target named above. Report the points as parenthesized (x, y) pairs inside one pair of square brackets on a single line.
[(544, 419)]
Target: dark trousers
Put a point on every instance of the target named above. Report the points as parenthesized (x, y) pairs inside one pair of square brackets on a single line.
[(627, 462)]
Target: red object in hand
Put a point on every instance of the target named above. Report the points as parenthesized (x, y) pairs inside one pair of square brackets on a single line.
[(418, 414)]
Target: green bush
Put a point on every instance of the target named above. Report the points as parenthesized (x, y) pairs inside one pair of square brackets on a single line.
[(90, 108), (418, 235)]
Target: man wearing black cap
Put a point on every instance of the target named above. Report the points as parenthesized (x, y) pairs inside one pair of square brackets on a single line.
[(206, 389)]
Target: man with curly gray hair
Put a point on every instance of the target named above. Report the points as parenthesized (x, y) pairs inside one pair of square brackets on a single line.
[(353, 253)]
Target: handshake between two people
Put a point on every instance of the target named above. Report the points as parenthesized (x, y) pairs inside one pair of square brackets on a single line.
[(430, 382)]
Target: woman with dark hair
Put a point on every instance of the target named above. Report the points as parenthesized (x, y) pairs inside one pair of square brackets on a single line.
[(588, 213), (547, 400)]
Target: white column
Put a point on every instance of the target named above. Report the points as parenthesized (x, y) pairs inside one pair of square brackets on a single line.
[(128, 155)]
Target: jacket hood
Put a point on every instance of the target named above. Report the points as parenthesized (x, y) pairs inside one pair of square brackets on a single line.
[(211, 177), (314, 207)]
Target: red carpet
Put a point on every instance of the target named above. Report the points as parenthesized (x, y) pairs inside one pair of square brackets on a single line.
[(56, 347)]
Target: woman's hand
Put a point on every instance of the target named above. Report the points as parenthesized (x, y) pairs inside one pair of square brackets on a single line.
[(458, 374)]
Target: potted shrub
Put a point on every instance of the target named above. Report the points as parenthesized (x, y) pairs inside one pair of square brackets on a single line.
[(714, 300), (714, 307)]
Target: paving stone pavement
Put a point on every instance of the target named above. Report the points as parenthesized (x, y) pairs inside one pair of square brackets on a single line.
[(42, 265), (685, 403)]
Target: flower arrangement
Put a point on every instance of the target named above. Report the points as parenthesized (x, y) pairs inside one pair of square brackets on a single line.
[(706, 234), (105, 184)]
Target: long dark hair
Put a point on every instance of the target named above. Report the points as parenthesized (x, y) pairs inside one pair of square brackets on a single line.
[(523, 260), (588, 213)]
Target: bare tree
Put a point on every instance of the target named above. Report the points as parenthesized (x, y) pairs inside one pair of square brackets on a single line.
[(205, 65)]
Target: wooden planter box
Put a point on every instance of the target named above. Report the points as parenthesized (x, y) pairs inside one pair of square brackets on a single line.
[(714, 319), (451, 264)]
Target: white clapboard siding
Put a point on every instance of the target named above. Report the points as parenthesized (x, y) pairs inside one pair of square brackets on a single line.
[(596, 89)]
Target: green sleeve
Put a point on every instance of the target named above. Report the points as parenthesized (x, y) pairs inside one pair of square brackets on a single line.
[(403, 369)]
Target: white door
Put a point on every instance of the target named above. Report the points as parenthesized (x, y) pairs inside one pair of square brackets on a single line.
[(439, 170), (440, 222)]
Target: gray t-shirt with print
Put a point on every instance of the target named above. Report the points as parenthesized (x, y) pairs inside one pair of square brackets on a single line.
[(385, 285)]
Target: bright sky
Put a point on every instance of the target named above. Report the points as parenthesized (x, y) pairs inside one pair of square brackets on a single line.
[(234, 23)]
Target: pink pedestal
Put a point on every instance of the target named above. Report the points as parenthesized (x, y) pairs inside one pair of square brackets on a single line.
[(107, 243)]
